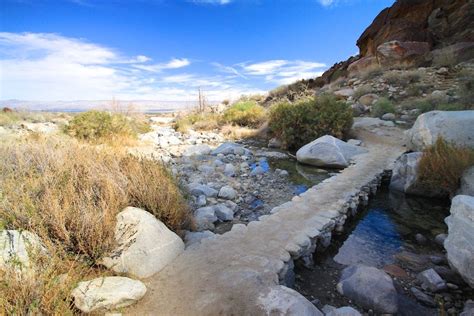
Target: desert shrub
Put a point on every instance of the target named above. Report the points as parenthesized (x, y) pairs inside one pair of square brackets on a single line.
[(299, 123), (197, 121), (371, 72), (382, 106), (442, 165), (402, 78), (8, 118), (245, 113), (69, 193), (97, 126), (362, 90)]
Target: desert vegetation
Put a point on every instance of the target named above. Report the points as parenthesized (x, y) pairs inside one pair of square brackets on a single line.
[(442, 165), (299, 123), (101, 126), (382, 106), (68, 193)]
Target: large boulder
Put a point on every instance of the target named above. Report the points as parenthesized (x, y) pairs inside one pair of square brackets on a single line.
[(370, 288), (16, 248), (460, 241), (402, 53), (328, 151), (363, 64), (280, 300), (454, 126), (467, 182), (145, 245), (107, 293), (405, 176)]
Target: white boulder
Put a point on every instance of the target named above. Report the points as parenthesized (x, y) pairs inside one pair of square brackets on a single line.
[(281, 300), (453, 126), (145, 245), (107, 293), (328, 151), (15, 249), (460, 241)]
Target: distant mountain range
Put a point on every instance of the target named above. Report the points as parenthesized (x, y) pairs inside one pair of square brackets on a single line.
[(147, 106)]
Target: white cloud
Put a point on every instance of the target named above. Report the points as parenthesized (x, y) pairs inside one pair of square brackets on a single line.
[(326, 3), (174, 63), (214, 2), (283, 71)]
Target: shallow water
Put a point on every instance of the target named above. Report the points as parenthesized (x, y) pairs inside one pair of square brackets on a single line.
[(386, 227)]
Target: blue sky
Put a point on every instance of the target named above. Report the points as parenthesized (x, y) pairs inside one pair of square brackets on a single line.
[(166, 49)]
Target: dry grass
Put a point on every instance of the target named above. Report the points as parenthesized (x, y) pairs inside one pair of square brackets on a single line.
[(69, 194), (442, 166), (239, 132)]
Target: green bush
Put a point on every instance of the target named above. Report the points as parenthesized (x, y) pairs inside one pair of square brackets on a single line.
[(197, 121), (245, 113), (99, 126), (382, 106), (300, 123)]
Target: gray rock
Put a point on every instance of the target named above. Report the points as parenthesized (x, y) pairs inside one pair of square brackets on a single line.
[(227, 192), (280, 300), (430, 280), (354, 142), (368, 99), (274, 143), (201, 200), (192, 238), (229, 170), (440, 238), (369, 287), (421, 239), (369, 123), (405, 176), (346, 92), (107, 293), (388, 117), (218, 163), (454, 126), (328, 151), (257, 171), (205, 218), (231, 148), (201, 189), (223, 213), (423, 298), (145, 245), (467, 183), (197, 150), (343, 311), (206, 169), (16, 248), (468, 309), (460, 241)]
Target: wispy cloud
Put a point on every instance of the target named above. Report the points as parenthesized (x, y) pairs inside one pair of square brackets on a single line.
[(174, 63), (44, 66), (283, 71), (213, 2)]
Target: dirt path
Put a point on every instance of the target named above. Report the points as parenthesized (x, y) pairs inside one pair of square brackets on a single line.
[(231, 274)]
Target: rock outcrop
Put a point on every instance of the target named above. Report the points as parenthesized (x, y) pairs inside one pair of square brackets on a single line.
[(438, 23), (370, 288), (145, 245), (460, 241), (453, 126), (328, 151), (107, 293)]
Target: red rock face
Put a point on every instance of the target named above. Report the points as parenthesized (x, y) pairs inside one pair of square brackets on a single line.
[(436, 22), (407, 53)]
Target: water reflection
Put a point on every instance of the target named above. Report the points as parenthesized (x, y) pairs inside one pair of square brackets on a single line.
[(389, 225), (373, 242)]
